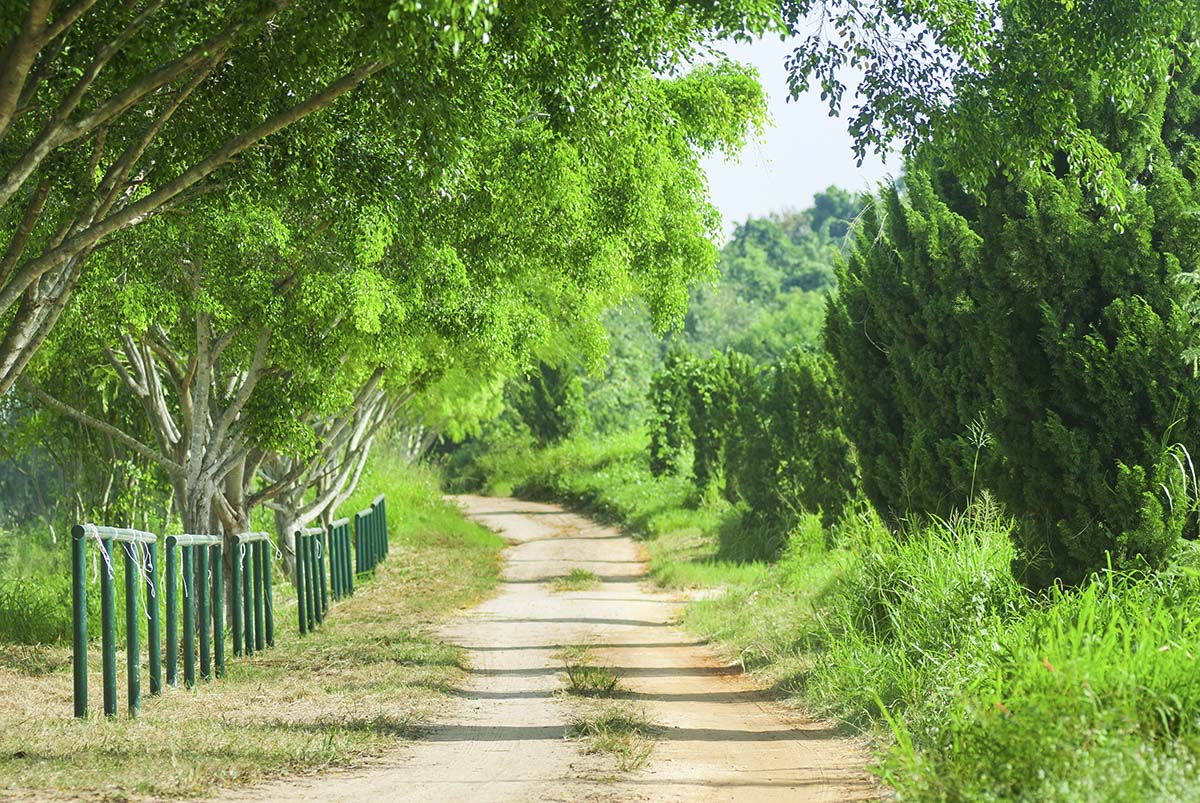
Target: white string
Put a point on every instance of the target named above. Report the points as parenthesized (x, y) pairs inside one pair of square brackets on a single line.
[(139, 567), (183, 575), (107, 559), (278, 551)]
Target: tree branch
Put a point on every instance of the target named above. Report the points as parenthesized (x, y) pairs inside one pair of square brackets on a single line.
[(131, 443)]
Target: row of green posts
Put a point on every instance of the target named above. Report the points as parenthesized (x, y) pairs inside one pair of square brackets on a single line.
[(319, 579), (326, 563)]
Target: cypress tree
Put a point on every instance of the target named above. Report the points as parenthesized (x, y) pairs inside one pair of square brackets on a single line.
[(1033, 346)]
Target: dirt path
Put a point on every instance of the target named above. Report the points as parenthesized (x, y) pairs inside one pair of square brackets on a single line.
[(504, 739)]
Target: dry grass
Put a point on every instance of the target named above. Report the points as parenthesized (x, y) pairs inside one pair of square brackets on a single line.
[(616, 729), (366, 679)]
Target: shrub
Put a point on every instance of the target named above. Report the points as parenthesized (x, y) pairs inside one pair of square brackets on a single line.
[(766, 437), (1032, 347)]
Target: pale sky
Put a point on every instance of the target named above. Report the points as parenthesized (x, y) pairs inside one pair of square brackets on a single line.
[(801, 153)]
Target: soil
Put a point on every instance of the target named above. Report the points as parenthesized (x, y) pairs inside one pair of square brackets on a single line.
[(504, 738)]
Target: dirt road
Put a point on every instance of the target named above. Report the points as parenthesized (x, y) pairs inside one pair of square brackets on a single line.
[(504, 738)]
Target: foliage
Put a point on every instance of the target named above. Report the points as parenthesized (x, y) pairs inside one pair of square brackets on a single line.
[(1030, 347), (550, 403), (766, 437), (774, 273), (996, 89)]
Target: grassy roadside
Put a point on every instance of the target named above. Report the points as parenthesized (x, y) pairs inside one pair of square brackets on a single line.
[(971, 687), (370, 676)]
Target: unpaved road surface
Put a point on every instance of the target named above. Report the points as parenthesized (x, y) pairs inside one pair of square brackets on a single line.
[(504, 738)]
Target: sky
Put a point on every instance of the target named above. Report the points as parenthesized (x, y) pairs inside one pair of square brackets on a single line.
[(802, 152)]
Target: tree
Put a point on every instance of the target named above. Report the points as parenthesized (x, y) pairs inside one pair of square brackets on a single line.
[(1029, 346), (987, 88), (111, 114), (280, 333)]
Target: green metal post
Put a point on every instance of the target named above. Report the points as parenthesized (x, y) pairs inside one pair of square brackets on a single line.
[(387, 546), (153, 642), (189, 615), (337, 536), (247, 601), (79, 618), (372, 541), (108, 631), (298, 541), (218, 607), (374, 537), (349, 558), (335, 558), (369, 540), (256, 554), (235, 581), (133, 650), (172, 591), (360, 552), (203, 613), (310, 591), (322, 560), (268, 597)]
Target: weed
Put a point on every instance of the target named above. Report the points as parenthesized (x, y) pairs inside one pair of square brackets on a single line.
[(584, 678), (576, 580), (590, 681), (619, 730)]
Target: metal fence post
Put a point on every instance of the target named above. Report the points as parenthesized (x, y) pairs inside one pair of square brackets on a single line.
[(153, 643), (235, 582), (301, 580), (257, 562), (172, 609), (268, 597), (205, 616), (247, 600), (216, 558), (108, 631), (79, 618), (133, 651), (322, 547), (188, 574)]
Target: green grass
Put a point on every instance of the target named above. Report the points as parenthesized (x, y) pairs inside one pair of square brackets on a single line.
[(584, 678), (576, 580), (619, 730), (371, 675), (610, 480), (971, 687)]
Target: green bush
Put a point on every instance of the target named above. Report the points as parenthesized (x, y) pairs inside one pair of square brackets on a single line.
[(990, 691), (1029, 347), (36, 609), (797, 459), (768, 437)]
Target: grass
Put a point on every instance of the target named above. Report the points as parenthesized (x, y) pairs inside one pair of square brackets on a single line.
[(619, 730), (369, 677), (576, 580), (584, 678), (610, 480), (972, 687)]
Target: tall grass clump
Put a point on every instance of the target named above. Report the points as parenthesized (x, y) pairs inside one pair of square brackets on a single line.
[(1094, 695), (904, 623), (994, 693)]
